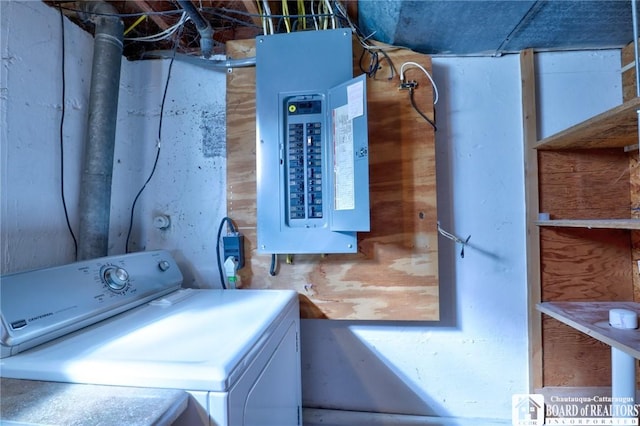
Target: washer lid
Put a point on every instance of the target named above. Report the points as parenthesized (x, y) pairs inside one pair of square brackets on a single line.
[(190, 339)]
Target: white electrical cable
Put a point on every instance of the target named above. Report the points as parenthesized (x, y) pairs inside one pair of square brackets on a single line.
[(435, 88), (330, 10), (267, 12), (315, 19), (454, 238), (164, 35), (263, 18)]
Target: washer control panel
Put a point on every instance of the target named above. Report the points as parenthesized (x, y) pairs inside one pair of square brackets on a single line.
[(41, 305)]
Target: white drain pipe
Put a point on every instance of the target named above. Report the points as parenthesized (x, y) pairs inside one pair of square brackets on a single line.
[(97, 168)]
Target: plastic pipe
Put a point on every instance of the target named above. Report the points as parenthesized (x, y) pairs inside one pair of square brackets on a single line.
[(623, 383)]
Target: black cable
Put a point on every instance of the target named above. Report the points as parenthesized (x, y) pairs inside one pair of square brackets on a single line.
[(373, 63), (272, 267), (391, 66), (64, 201), (155, 163), (233, 229), (413, 103)]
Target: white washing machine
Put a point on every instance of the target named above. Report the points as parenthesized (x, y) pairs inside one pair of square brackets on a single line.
[(124, 320)]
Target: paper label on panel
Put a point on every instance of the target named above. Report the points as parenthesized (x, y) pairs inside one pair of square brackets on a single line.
[(343, 167), (355, 96)]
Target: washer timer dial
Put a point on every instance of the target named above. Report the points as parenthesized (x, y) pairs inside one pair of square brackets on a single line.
[(116, 278)]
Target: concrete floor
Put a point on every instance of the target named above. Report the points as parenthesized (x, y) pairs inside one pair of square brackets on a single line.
[(319, 417)]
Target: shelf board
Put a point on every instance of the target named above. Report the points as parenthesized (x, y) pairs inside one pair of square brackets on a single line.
[(592, 318), (592, 223), (615, 128)]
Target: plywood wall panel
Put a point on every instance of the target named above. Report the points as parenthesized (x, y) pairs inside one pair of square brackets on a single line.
[(572, 358), (394, 275), (585, 264), (584, 184), (635, 213)]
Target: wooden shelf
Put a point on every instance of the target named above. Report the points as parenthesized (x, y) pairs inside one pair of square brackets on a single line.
[(615, 128), (592, 223), (592, 318)]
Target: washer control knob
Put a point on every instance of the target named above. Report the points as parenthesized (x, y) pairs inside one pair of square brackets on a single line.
[(116, 278), (164, 265)]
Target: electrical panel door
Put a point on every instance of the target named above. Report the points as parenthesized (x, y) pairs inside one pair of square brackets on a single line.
[(312, 147)]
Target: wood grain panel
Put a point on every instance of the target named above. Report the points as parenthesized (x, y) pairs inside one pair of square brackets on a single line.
[(571, 358), (394, 275), (530, 133), (584, 184), (585, 264)]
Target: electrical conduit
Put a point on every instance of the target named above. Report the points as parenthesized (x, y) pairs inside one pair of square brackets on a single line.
[(97, 168), (203, 26)]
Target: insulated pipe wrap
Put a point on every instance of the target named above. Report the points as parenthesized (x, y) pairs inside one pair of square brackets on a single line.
[(95, 189)]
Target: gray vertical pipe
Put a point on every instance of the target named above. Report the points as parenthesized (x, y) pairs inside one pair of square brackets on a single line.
[(203, 26), (97, 168)]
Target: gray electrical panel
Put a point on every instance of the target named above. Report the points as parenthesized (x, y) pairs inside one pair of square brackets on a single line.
[(312, 149)]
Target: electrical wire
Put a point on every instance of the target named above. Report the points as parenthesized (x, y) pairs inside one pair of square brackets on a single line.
[(155, 162), (232, 228), (413, 104), (373, 50), (302, 11), (135, 24), (416, 65), (272, 268), (313, 15), (163, 35), (64, 89), (329, 10), (267, 12), (285, 12), (123, 15), (454, 238), (374, 63), (263, 19)]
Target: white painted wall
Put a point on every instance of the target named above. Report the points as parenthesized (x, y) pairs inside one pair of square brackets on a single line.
[(468, 364), (33, 227)]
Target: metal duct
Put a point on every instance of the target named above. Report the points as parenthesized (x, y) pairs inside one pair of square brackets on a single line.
[(95, 185)]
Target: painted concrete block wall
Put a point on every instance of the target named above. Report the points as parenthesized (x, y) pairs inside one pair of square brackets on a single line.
[(468, 364), (190, 178), (33, 227), (189, 182)]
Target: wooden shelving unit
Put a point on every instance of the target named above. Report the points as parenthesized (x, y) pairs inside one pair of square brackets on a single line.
[(589, 250)]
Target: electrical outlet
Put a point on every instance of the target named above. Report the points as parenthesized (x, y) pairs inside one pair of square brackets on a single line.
[(233, 245)]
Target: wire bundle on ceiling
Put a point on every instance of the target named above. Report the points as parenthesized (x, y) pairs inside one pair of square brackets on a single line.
[(163, 35)]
